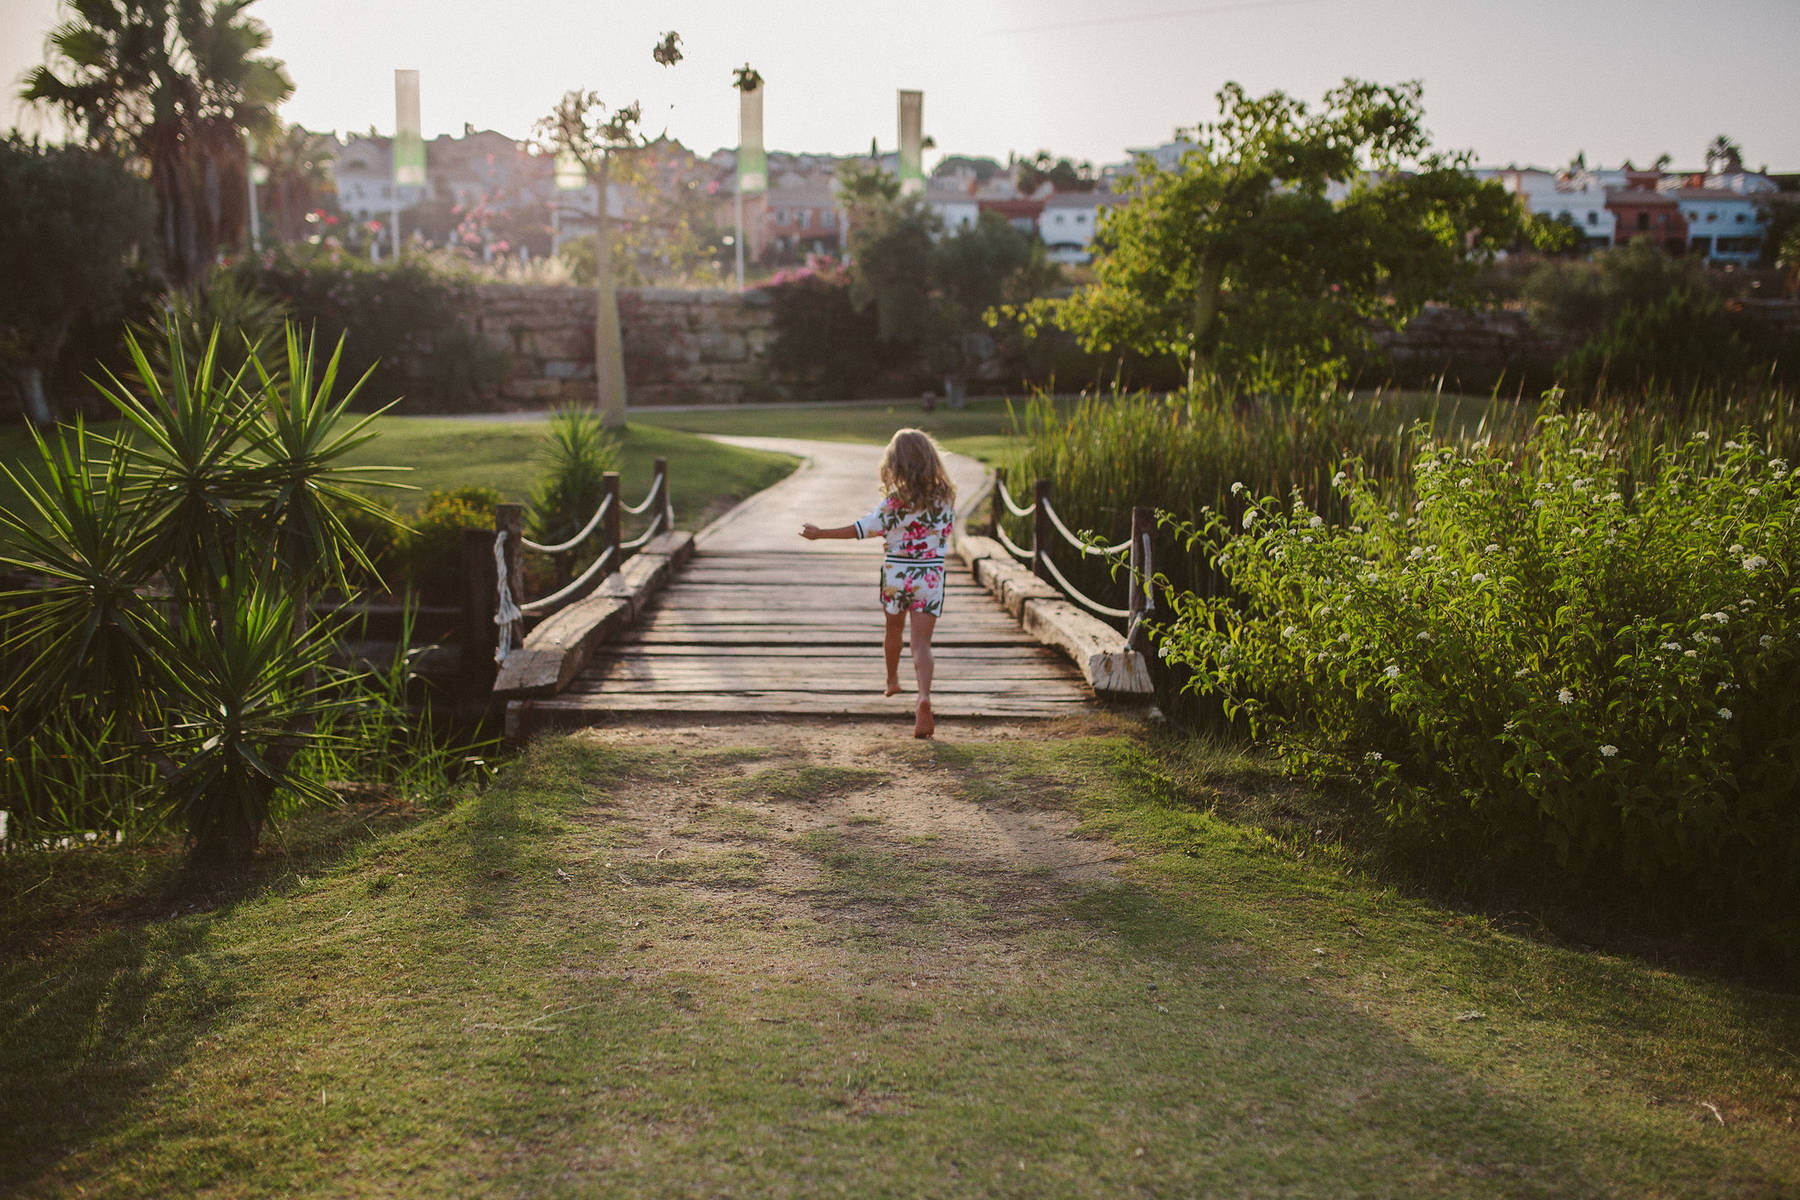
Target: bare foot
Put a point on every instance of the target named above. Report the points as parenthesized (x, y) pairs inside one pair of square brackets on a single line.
[(893, 688), (923, 725)]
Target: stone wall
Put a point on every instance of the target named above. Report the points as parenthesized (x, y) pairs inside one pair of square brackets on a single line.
[(681, 347), (1472, 351), (694, 347)]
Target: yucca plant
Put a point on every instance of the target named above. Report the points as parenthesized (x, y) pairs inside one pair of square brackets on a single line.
[(579, 453), (181, 558)]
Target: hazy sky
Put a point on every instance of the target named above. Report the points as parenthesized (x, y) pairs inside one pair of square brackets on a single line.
[(1526, 81)]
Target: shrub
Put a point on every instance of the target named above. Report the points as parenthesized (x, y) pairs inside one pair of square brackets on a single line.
[(429, 554), (578, 455), (820, 336), (225, 494), (1543, 660), (401, 320), (1679, 345)]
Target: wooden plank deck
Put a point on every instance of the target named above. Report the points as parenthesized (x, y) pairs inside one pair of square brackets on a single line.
[(799, 633)]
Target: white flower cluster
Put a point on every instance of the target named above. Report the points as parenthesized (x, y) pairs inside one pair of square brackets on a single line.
[(1755, 562), (1609, 750)]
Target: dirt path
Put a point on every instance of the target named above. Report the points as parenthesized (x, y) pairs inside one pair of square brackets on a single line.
[(864, 782)]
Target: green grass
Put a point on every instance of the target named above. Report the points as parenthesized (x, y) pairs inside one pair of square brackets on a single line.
[(706, 478), (538, 993), (983, 429)]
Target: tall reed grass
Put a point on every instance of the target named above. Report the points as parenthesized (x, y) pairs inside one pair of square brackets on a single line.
[(1214, 448)]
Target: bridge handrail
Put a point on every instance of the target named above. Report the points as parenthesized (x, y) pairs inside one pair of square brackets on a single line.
[(506, 606), (593, 523), (1047, 525)]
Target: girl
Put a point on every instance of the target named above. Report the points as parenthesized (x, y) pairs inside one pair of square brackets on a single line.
[(915, 520)]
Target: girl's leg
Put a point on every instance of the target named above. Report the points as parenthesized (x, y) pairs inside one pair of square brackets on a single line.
[(922, 625), (890, 649)]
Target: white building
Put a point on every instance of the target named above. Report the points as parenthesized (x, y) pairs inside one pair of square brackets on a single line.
[(1069, 221), (1578, 200), (954, 206), (1723, 225)]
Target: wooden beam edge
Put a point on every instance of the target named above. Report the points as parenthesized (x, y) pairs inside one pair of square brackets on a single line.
[(558, 649), (1098, 650)]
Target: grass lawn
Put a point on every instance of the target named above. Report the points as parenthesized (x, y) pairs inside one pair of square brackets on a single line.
[(983, 429), (705, 477), (797, 961)]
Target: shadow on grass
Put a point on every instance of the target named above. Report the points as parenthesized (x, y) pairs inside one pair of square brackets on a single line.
[(82, 1038)]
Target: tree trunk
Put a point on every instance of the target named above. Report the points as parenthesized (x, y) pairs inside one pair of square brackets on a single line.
[(33, 399), (1206, 310), (609, 348)]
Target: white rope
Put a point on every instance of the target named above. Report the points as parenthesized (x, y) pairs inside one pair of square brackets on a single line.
[(643, 538), (1076, 542), (1017, 551), (656, 485), (1014, 509), (577, 539), (1069, 591), (555, 599), (505, 611)]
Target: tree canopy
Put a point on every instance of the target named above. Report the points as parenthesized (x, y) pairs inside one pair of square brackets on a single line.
[(1242, 258), (175, 84), (76, 217)]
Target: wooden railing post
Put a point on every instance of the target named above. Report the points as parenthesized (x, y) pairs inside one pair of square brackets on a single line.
[(510, 520), (996, 505), (612, 522), (1142, 522), (1041, 530), (480, 601), (667, 507)]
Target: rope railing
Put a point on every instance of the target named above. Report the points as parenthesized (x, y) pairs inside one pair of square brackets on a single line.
[(602, 565), (656, 487), (593, 523), (1087, 548), (1047, 525), (506, 607), (1012, 506)]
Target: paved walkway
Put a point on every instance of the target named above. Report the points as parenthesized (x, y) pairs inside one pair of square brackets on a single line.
[(763, 622)]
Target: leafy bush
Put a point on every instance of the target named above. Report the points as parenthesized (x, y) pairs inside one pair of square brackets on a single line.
[(1679, 345), (401, 320), (822, 338), (429, 554), (1581, 298), (1545, 659)]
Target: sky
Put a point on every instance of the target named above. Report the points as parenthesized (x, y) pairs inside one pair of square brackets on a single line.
[(1513, 81)]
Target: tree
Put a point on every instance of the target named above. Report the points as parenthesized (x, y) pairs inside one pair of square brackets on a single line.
[(1724, 156), (174, 84), (1239, 259), (580, 128), (930, 291), (1063, 174), (76, 217), (298, 182)]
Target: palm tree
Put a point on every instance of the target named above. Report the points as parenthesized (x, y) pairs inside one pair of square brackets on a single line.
[(173, 84), (299, 179), (1724, 156)]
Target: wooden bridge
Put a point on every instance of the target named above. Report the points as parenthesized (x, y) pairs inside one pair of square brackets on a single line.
[(759, 621)]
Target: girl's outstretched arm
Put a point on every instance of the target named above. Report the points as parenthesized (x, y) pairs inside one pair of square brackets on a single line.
[(813, 533)]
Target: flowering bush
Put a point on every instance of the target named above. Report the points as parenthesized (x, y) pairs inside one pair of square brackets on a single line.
[(1540, 653)]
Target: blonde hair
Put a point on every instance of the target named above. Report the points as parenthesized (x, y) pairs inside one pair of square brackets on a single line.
[(912, 470)]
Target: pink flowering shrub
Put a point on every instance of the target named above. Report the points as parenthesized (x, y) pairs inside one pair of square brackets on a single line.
[(1540, 658)]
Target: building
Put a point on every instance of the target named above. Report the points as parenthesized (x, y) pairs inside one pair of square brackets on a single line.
[(1640, 212), (1723, 226), (1068, 221)]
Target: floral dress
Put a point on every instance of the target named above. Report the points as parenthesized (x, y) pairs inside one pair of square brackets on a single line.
[(912, 575)]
